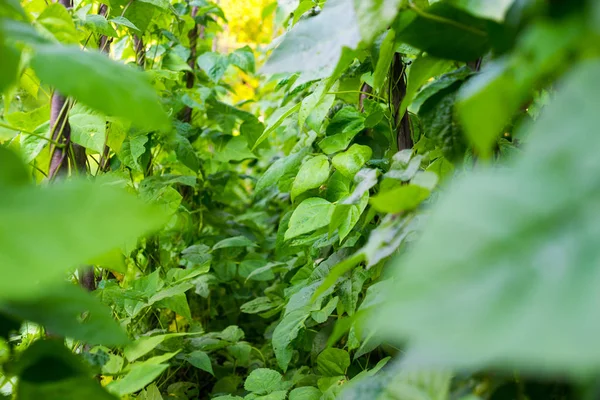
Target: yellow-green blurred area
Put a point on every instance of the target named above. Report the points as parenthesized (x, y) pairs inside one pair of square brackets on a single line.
[(249, 22)]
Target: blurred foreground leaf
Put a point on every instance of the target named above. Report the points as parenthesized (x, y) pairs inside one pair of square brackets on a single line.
[(507, 271)]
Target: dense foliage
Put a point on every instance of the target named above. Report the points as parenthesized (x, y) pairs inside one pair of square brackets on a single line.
[(394, 199)]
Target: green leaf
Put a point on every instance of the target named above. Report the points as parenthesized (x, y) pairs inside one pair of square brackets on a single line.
[(233, 148), (333, 362), (421, 71), (286, 331), (315, 44), (138, 377), (386, 55), (214, 64), (48, 370), (12, 169), (262, 381), (403, 198), (312, 174), (124, 22), (323, 314), (257, 305), (96, 81), (400, 384), (140, 13), (271, 128), (163, 4), (348, 119), (59, 309), (243, 58), (9, 65), (305, 393), (437, 116), (146, 344), (151, 393), (88, 128), (445, 31), (516, 301), (132, 149), (310, 215), (375, 16), (317, 103), (352, 160), (494, 10), (200, 360), (487, 102), (232, 334), (236, 241), (280, 168), (56, 21), (99, 24), (33, 218), (185, 153), (11, 8), (198, 254)]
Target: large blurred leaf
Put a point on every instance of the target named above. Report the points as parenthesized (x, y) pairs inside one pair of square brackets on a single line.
[(96, 81), (444, 31), (9, 65), (375, 16), (495, 10), (315, 45), (12, 170), (48, 370), (487, 102), (60, 308), (397, 384), (38, 243), (507, 270)]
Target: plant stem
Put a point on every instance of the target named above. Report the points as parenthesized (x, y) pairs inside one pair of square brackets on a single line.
[(40, 136)]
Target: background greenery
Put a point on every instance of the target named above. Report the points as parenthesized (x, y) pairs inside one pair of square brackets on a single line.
[(303, 200)]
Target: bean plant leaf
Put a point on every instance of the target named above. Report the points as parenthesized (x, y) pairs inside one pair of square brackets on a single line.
[(352, 160), (138, 377), (34, 217), (201, 360), (445, 31), (88, 128), (375, 16), (333, 362), (305, 393), (494, 10), (278, 169), (287, 331), (519, 295), (262, 381), (214, 64), (59, 309), (310, 215), (56, 21), (243, 58), (315, 45), (312, 174), (9, 66), (48, 370), (105, 85), (402, 198)]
